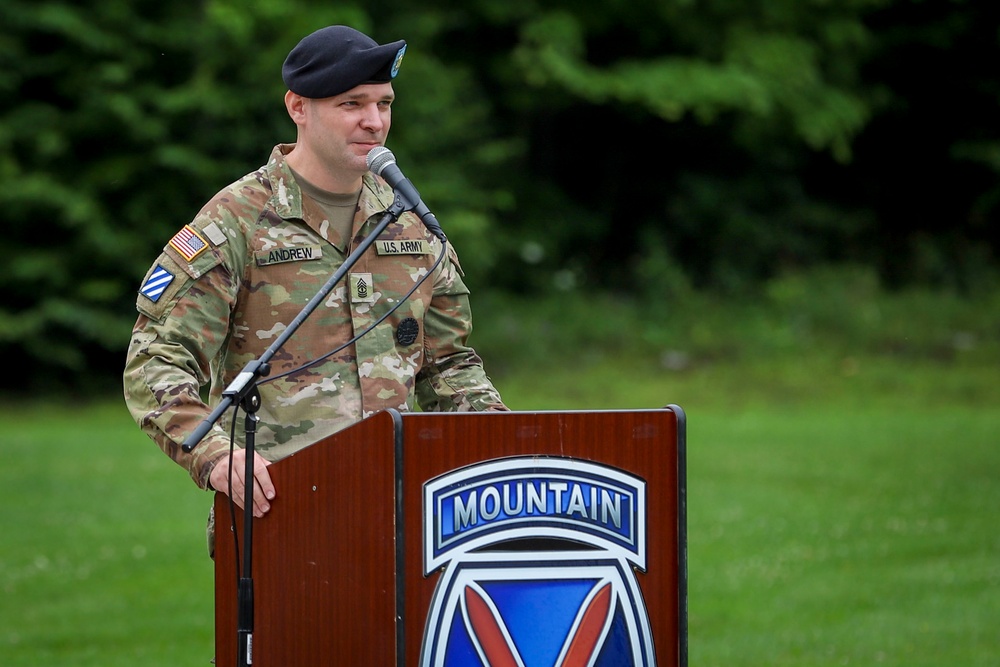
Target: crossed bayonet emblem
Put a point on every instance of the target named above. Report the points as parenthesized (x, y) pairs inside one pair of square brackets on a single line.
[(497, 649)]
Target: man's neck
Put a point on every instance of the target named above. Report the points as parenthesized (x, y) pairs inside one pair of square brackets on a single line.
[(311, 169)]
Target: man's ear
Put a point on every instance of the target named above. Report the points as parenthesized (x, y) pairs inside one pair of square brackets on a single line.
[(295, 104)]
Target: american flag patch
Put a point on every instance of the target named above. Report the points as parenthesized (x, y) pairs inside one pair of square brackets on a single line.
[(157, 282), (188, 243)]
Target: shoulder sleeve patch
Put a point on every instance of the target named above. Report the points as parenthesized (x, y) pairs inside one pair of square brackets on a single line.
[(165, 282), (156, 283)]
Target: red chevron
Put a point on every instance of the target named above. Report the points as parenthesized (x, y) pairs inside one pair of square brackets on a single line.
[(499, 653), (584, 642)]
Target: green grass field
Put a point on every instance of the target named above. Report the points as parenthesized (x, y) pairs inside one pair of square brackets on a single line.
[(834, 518), (842, 510)]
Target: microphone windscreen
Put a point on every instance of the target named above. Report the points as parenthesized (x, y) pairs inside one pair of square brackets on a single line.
[(378, 158)]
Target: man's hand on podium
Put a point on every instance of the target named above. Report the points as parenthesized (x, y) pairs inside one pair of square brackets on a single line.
[(263, 489)]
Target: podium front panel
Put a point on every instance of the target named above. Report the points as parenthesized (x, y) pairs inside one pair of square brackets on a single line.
[(644, 444), (342, 574)]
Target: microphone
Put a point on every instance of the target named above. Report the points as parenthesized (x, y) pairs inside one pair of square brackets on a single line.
[(382, 162)]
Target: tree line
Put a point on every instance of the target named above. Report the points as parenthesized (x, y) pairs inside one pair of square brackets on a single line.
[(645, 147)]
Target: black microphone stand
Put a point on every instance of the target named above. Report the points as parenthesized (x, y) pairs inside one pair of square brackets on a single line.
[(244, 392)]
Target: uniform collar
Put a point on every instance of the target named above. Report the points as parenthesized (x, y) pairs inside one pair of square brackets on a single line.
[(289, 203)]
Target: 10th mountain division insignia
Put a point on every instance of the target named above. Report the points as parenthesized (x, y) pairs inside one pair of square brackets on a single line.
[(537, 558)]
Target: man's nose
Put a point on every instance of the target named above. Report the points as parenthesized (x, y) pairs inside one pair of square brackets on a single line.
[(372, 117)]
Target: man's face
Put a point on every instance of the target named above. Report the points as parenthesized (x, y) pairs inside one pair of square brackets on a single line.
[(341, 130)]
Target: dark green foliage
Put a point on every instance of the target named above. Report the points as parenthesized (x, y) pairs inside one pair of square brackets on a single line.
[(641, 147), (118, 121)]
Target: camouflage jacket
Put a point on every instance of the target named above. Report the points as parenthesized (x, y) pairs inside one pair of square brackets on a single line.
[(233, 279)]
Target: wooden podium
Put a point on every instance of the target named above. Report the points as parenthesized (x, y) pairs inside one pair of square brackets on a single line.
[(339, 561)]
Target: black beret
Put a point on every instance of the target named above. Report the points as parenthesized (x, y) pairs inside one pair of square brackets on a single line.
[(335, 59)]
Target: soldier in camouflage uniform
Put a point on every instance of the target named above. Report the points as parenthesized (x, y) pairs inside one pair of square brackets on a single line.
[(229, 283)]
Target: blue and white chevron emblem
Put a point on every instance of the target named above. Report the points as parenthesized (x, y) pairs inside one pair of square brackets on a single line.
[(157, 282)]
